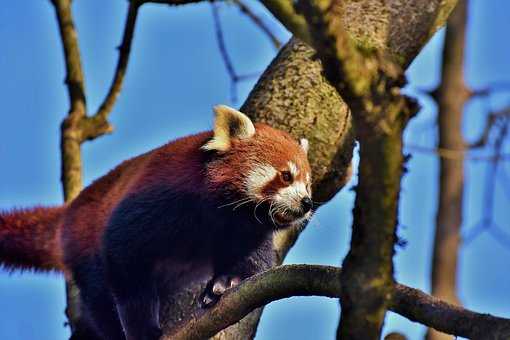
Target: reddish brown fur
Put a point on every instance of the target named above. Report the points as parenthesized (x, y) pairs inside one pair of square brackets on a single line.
[(86, 217), (37, 238), (28, 239)]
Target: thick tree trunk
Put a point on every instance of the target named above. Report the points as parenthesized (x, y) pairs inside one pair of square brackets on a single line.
[(451, 96)]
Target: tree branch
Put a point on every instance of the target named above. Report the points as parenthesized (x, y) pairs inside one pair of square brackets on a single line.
[(451, 96), (313, 280), (258, 22), (98, 124), (369, 80), (77, 127), (74, 78)]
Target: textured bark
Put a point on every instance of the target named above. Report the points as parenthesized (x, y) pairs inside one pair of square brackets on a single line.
[(451, 97), (400, 27), (307, 280)]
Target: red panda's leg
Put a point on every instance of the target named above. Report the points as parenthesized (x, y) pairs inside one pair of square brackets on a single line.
[(139, 317), (97, 305), (131, 250), (135, 296)]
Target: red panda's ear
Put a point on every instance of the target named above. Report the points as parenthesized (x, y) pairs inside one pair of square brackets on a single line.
[(304, 144), (228, 124)]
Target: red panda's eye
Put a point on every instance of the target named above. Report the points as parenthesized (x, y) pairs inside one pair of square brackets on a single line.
[(286, 176)]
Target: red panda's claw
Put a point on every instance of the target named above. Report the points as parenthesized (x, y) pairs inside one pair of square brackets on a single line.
[(224, 282), (216, 288)]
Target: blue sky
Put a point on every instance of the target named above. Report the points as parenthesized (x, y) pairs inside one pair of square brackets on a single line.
[(175, 76)]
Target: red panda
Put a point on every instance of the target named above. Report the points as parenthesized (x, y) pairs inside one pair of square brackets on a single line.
[(206, 202)]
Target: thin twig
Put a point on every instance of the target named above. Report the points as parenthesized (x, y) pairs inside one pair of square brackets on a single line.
[(224, 52), (487, 222), (258, 22), (491, 89), (455, 154), (120, 71), (235, 78), (492, 119)]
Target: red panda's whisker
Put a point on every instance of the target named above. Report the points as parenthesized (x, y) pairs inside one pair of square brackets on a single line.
[(242, 203), (242, 200), (271, 213), (256, 206)]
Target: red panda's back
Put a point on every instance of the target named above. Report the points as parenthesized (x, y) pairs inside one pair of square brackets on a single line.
[(176, 163)]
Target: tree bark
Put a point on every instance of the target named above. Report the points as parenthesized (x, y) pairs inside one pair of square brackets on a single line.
[(451, 97), (369, 78)]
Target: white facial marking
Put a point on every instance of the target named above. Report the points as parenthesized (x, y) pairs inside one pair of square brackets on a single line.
[(292, 195), (293, 169), (258, 177)]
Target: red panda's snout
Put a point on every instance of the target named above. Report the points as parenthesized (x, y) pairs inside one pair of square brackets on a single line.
[(285, 192)]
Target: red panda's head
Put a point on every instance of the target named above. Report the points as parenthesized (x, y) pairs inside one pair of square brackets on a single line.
[(261, 168)]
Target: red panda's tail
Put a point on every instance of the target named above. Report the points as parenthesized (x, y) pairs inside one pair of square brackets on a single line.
[(28, 239)]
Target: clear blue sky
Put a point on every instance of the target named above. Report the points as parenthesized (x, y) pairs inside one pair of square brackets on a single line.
[(175, 76)]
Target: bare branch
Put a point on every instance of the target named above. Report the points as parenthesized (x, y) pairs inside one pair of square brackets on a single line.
[(451, 96), (223, 50), (77, 127), (258, 22), (220, 38), (487, 222), (74, 79), (100, 118), (491, 89), (307, 280), (71, 170), (492, 119)]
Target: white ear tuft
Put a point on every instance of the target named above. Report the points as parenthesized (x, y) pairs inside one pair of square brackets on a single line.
[(228, 124), (304, 144)]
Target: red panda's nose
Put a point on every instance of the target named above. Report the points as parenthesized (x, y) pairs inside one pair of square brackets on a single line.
[(306, 204)]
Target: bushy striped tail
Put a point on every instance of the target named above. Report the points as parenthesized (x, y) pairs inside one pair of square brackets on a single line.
[(28, 239)]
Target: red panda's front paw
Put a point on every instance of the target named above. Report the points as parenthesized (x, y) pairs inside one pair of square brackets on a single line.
[(224, 282), (216, 288)]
